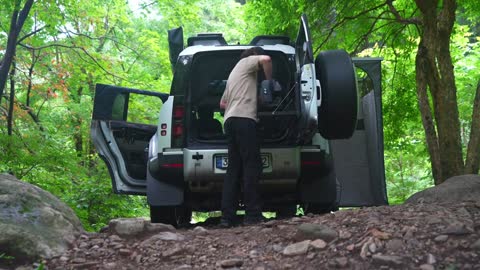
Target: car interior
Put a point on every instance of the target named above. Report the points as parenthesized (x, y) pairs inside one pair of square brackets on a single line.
[(210, 72)]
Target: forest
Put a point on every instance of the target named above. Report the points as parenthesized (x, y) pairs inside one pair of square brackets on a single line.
[(52, 53)]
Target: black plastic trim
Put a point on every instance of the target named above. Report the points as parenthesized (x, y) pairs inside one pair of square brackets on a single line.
[(314, 171), (167, 174)]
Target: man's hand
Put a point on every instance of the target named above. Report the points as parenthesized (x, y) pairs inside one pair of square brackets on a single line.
[(223, 104)]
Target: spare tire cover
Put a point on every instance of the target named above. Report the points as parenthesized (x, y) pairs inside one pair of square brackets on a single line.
[(337, 113)]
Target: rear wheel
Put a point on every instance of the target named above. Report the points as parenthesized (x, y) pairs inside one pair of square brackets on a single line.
[(316, 208), (287, 211), (337, 114), (173, 215)]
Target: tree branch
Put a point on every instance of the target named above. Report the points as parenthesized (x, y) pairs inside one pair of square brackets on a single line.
[(23, 16), (74, 47), (342, 21), (16, 24), (391, 8), (34, 117), (399, 17), (31, 34)]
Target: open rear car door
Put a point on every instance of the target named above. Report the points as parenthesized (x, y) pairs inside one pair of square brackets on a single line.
[(123, 122), (306, 85), (359, 160), (351, 120)]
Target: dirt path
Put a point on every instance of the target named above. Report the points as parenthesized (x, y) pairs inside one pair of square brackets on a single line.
[(388, 237)]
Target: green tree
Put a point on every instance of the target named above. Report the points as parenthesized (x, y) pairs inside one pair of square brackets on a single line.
[(72, 46), (17, 19), (374, 27)]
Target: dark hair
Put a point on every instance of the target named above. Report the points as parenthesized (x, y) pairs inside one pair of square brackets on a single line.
[(252, 51)]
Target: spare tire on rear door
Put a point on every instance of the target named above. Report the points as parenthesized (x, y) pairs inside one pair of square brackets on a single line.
[(337, 113)]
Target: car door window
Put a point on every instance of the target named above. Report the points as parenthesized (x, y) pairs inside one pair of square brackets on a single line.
[(143, 109)]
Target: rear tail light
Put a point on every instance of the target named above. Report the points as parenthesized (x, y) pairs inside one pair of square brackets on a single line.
[(310, 163), (173, 165), (178, 112), (177, 130)]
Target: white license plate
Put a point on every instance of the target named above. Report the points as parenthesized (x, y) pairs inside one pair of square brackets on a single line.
[(221, 161)]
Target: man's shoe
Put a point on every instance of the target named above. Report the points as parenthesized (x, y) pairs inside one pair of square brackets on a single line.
[(226, 223)]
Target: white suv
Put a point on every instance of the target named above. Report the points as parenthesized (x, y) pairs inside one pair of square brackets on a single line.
[(320, 149)]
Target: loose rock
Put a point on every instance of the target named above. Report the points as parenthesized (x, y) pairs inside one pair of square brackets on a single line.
[(231, 263), (297, 248), (316, 231)]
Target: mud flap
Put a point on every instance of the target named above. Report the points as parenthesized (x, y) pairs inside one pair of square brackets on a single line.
[(322, 191), (163, 193), (320, 186)]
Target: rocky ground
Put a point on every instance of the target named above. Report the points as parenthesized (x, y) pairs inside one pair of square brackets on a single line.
[(410, 236)]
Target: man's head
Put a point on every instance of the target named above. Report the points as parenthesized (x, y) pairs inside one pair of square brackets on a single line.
[(253, 51)]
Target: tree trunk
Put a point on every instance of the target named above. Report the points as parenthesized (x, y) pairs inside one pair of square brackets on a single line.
[(473, 150), (16, 24), (426, 113), (11, 102), (435, 71), (77, 123)]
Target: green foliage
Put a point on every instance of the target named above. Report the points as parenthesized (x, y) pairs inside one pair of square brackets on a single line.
[(95, 203), (41, 266), (75, 46), (368, 28), (6, 260), (6, 257), (68, 46), (205, 16)]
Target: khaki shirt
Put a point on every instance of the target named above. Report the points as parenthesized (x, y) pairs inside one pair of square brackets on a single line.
[(241, 90)]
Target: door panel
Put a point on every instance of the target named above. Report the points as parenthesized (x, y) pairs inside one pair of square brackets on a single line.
[(359, 161), (303, 44), (123, 122), (306, 85)]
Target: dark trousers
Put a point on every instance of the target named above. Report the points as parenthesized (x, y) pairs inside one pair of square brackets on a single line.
[(244, 163)]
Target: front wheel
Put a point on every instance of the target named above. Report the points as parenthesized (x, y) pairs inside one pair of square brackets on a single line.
[(173, 215)]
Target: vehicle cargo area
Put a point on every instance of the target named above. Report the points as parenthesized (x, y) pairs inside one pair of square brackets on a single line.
[(209, 75)]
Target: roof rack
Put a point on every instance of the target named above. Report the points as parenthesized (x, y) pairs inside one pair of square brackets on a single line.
[(207, 39), (269, 40)]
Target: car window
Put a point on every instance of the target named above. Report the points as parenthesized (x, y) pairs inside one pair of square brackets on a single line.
[(365, 83), (143, 109), (118, 108)]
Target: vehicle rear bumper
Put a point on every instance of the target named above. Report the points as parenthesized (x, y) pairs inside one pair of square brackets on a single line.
[(167, 166)]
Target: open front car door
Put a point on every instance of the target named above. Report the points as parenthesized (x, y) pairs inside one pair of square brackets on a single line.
[(123, 122)]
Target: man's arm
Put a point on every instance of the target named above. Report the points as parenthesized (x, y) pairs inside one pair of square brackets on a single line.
[(223, 104), (266, 63)]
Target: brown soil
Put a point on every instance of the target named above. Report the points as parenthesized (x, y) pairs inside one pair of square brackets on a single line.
[(388, 237)]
